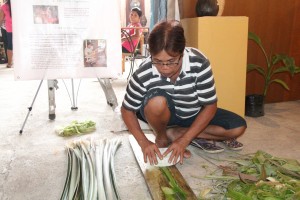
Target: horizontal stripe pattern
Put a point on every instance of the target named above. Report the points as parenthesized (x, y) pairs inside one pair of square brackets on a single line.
[(194, 88)]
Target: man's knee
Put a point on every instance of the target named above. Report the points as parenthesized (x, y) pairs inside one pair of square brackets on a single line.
[(156, 106), (237, 132)]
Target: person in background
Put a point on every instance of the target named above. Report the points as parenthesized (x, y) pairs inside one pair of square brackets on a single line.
[(4, 40), (51, 15), (174, 91), (134, 16), (5, 14), (90, 54)]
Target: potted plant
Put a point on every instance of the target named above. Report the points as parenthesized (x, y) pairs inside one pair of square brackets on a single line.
[(276, 64)]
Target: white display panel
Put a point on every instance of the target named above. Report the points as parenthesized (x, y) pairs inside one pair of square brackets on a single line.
[(56, 39)]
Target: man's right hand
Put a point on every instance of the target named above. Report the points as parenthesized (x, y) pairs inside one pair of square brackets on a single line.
[(150, 151)]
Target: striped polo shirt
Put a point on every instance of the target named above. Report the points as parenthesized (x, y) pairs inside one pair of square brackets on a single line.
[(194, 87)]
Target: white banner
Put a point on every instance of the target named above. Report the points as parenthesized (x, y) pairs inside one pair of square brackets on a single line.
[(56, 39)]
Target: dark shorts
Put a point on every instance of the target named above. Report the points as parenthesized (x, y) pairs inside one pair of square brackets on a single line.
[(9, 41), (124, 50), (223, 118)]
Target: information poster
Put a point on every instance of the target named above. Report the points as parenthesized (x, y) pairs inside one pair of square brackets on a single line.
[(55, 39)]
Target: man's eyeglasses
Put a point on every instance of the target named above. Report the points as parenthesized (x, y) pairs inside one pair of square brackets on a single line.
[(167, 63)]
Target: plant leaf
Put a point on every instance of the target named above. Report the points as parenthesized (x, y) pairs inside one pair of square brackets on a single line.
[(281, 82), (255, 38), (280, 70), (282, 58), (259, 69), (64, 195), (291, 167), (289, 63), (203, 194)]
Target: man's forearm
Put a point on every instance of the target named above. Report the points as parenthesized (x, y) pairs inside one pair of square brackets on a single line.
[(201, 122), (133, 126)]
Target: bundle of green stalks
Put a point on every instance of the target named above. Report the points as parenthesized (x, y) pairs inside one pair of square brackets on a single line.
[(76, 128), (91, 173), (174, 191), (259, 176)]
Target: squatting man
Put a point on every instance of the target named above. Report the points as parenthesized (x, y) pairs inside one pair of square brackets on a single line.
[(174, 91)]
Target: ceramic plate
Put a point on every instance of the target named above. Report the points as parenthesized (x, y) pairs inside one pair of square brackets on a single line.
[(165, 161)]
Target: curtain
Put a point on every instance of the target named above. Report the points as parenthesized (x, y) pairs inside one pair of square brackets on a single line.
[(173, 10), (163, 9)]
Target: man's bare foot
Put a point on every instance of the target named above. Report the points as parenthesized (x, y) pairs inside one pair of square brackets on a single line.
[(175, 132), (162, 142), (187, 154)]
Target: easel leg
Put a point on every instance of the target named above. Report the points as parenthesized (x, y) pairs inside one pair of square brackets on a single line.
[(109, 92), (74, 107), (30, 108), (52, 85)]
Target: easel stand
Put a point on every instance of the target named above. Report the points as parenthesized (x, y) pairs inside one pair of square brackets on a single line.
[(52, 84), (74, 107), (109, 92), (111, 98), (30, 108)]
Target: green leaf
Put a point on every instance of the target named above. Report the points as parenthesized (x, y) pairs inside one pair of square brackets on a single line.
[(235, 191), (168, 192), (287, 60), (280, 70), (281, 82), (243, 162), (259, 158), (292, 167), (178, 191), (203, 194), (289, 63), (270, 171), (254, 37), (259, 69)]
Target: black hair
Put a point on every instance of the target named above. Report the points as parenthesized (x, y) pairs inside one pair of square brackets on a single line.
[(137, 10), (168, 36)]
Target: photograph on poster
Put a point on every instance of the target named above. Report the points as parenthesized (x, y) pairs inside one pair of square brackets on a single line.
[(94, 53), (44, 14)]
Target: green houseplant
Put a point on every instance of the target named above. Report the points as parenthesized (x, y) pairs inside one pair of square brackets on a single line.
[(275, 64)]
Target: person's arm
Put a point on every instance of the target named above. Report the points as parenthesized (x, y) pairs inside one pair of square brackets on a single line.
[(150, 150), (134, 36), (123, 39), (2, 16), (201, 122)]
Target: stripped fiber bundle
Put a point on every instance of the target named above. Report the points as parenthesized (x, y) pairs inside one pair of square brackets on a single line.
[(91, 173)]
